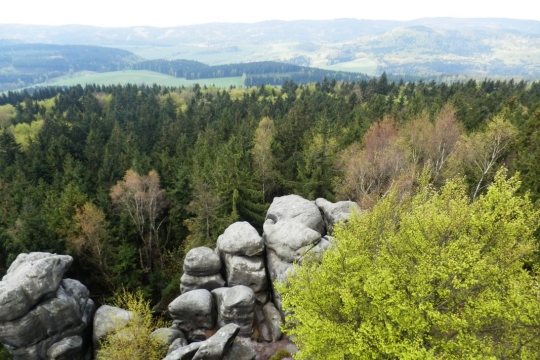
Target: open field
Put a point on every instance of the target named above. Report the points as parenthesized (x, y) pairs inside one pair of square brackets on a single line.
[(138, 77)]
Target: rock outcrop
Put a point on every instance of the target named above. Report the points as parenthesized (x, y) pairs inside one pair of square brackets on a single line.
[(43, 315), (193, 313), (335, 212), (202, 270), (235, 305)]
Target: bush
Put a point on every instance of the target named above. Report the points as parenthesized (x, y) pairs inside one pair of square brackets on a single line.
[(132, 341), (431, 276)]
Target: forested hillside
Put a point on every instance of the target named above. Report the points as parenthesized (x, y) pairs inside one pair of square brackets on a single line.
[(23, 65), (128, 178)]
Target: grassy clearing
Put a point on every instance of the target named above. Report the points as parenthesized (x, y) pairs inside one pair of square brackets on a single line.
[(139, 77)]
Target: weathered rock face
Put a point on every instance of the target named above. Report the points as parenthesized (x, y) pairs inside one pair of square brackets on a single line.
[(202, 270), (295, 208), (240, 238), (30, 278), (202, 261), (215, 347), (167, 336), (248, 271), (235, 305), (290, 240), (335, 212), (42, 314), (193, 313)]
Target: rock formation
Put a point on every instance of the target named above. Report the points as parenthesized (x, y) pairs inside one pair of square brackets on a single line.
[(42, 315)]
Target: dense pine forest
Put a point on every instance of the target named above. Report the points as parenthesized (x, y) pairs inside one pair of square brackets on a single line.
[(128, 178)]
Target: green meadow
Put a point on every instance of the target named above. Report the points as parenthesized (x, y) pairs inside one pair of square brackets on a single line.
[(139, 77)]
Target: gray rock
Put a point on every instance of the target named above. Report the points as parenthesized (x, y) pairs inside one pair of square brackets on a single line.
[(278, 270), (264, 332), (65, 349), (240, 351), (295, 208), (215, 347), (193, 313), (167, 336), (29, 279), (210, 282), (202, 261), (336, 212), (248, 271), (107, 320), (240, 238), (290, 240), (318, 250), (185, 352), (235, 306), (273, 319), (177, 344), (49, 322)]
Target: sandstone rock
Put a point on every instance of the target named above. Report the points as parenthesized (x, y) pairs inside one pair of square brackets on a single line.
[(290, 240), (278, 270), (240, 351), (167, 336), (273, 319), (294, 208), (65, 349), (248, 271), (107, 320), (28, 280), (235, 306), (335, 212), (318, 250), (193, 313), (240, 238), (177, 344), (215, 347), (48, 316), (202, 261), (185, 352), (210, 282)]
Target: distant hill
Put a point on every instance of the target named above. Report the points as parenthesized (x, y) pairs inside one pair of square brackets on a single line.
[(28, 64), (437, 48)]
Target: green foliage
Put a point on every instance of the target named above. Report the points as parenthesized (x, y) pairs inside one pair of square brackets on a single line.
[(430, 276), (280, 354), (4, 355), (132, 340), (25, 133)]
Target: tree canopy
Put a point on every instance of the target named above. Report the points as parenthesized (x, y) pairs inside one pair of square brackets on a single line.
[(430, 275)]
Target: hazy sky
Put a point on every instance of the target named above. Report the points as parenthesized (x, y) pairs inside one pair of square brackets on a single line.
[(175, 13)]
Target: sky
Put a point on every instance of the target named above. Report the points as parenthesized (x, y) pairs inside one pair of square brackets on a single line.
[(167, 13)]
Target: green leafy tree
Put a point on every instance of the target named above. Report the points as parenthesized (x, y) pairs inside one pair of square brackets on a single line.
[(133, 340), (429, 276)]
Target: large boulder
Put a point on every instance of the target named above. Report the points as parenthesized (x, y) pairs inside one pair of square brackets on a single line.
[(248, 271), (202, 261), (107, 320), (202, 270), (240, 238), (295, 208), (273, 319), (336, 212), (193, 313), (184, 352), (235, 305), (29, 279), (215, 347), (209, 282), (43, 315), (290, 240)]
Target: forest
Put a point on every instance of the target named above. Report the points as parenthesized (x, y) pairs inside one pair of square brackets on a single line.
[(128, 178)]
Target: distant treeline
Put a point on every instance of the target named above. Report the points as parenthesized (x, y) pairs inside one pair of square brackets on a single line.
[(255, 73)]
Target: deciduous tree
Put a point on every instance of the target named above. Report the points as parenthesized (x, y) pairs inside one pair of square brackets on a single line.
[(431, 276)]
